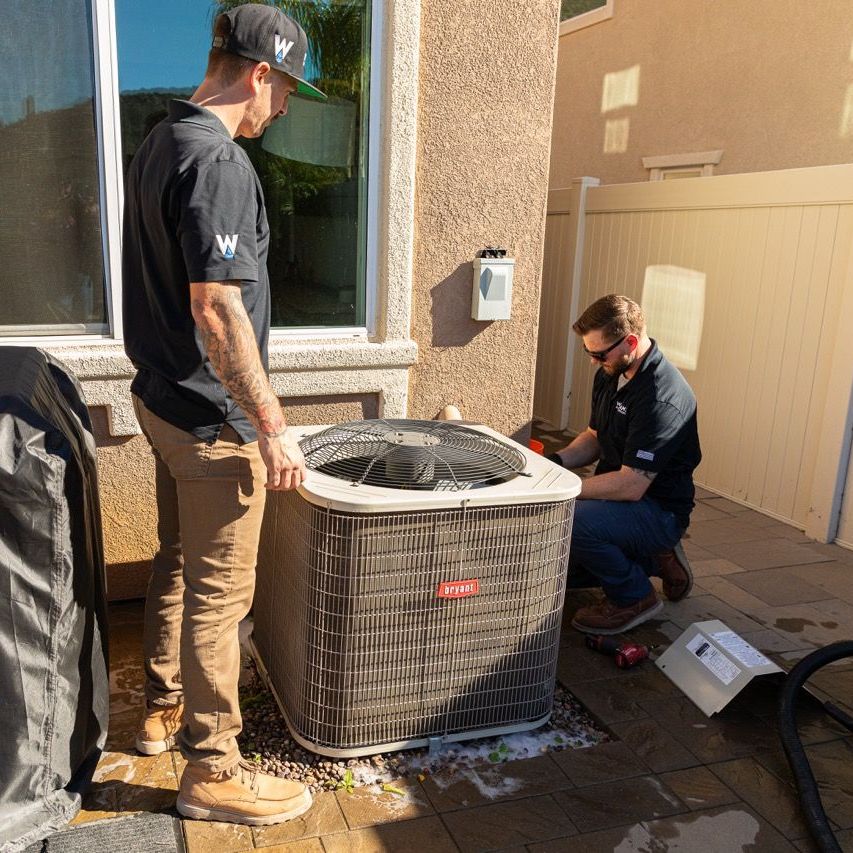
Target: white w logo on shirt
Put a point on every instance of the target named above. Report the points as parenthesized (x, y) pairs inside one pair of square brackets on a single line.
[(227, 245)]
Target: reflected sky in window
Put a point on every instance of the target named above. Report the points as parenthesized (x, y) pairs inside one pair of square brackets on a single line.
[(163, 44), (40, 63)]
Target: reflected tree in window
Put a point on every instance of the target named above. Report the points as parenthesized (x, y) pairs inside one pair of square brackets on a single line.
[(312, 164), (573, 8)]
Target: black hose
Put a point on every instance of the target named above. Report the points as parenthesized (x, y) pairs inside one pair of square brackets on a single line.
[(809, 794)]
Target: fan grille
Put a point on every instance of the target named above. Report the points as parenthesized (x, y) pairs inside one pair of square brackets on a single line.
[(411, 454)]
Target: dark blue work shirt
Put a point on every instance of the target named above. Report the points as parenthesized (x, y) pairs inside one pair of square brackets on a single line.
[(650, 424)]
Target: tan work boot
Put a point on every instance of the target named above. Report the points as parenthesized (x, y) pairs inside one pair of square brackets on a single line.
[(248, 796), (609, 618), (158, 729)]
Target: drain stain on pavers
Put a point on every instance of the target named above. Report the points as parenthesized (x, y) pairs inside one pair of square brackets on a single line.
[(794, 625)]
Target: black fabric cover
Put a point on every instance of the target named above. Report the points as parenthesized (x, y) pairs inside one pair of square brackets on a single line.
[(54, 684)]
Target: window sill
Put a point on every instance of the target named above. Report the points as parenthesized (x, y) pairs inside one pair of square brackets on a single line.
[(298, 368)]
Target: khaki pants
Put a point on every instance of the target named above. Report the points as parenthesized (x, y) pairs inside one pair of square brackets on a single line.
[(210, 503)]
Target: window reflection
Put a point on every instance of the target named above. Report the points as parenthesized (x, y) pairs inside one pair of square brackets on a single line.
[(846, 128), (620, 89), (674, 304), (50, 224), (616, 132), (312, 163)]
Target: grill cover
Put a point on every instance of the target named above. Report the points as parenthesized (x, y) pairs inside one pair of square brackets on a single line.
[(54, 685)]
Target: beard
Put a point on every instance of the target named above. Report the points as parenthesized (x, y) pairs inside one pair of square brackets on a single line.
[(620, 366)]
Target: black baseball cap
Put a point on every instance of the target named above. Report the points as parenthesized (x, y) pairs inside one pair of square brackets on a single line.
[(265, 34)]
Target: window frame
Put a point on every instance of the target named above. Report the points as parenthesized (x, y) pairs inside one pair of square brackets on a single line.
[(587, 19), (701, 161), (108, 132)]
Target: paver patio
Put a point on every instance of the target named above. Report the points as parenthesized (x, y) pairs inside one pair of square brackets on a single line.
[(670, 779)]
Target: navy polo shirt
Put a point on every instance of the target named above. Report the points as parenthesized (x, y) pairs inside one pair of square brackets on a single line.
[(650, 424), (194, 211)]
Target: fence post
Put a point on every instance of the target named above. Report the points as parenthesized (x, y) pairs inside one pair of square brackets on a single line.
[(833, 451), (580, 186)]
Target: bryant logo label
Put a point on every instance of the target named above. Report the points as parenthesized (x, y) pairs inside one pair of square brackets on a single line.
[(621, 408), (227, 245), (282, 48), (458, 589)]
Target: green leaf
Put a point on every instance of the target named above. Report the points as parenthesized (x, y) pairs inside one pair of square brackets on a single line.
[(495, 757), (503, 748), (251, 701)]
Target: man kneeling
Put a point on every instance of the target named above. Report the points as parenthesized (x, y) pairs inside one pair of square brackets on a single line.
[(634, 510)]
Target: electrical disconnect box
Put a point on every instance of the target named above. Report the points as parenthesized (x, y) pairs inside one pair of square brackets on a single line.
[(491, 298)]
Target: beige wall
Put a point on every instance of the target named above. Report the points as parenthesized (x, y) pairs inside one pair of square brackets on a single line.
[(770, 82), (484, 125)]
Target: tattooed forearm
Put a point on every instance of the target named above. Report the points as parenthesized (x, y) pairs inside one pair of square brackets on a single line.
[(229, 340), (649, 475)]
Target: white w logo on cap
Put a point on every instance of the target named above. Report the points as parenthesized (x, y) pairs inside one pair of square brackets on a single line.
[(282, 47)]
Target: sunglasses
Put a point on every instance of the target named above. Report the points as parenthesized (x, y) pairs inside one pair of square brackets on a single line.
[(601, 355)]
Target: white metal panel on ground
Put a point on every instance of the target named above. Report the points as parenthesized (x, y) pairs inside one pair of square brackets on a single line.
[(773, 253)]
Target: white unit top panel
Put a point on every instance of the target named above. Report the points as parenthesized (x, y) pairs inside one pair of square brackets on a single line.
[(541, 482)]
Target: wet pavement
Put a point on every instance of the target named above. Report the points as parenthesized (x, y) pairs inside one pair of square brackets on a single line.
[(670, 779)]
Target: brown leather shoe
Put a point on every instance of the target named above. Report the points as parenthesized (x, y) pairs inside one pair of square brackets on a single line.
[(244, 795), (610, 618), (675, 573), (159, 728)]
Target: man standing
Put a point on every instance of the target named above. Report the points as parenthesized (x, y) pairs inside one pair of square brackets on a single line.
[(196, 318), (633, 512)]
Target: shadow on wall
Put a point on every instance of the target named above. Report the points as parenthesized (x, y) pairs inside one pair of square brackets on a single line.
[(452, 325), (101, 429), (523, 434)]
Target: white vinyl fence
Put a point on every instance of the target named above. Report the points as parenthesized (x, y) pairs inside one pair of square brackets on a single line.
[(747, 283)]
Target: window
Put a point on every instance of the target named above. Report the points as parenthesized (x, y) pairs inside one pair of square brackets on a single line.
[(312, 164), (675, 174), (668, 167), (50, 219), (577, 14)]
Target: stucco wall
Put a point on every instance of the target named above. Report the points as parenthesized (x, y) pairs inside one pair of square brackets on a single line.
[(484, 126), (770, 82)]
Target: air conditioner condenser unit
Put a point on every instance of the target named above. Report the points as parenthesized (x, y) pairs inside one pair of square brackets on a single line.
[(411, 591)]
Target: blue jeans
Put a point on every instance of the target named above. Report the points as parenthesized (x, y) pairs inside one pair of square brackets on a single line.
[(613, 543)]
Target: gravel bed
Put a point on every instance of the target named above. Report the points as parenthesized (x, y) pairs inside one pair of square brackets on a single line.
[(266, 740)]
